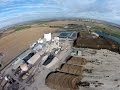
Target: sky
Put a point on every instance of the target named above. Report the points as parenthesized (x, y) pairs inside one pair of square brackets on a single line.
[(16, 11)]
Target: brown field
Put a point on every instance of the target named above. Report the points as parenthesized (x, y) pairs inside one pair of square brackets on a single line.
[(14, 44), (87, 40), (108, 28), (63, 23), (3, 34)]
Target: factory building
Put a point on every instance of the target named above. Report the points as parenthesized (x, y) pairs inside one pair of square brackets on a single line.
[(46, 52), (50, 62)]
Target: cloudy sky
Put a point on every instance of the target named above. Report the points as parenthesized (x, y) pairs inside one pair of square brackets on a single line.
[(15, 11)]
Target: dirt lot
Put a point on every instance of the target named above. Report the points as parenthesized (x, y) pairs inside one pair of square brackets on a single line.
[(15, 43), (87, 40)]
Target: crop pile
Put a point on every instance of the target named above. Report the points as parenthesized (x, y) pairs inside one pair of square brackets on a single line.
[(68, 76), (72, 69), (77, 61), (62, 81)]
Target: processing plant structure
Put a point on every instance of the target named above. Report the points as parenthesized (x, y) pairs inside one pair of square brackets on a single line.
[(43, 57), (54, 62)]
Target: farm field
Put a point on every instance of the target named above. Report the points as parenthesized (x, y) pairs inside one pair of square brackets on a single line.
[(14, 44)]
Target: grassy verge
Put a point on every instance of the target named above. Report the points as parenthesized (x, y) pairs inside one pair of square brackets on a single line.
[(21, 27), (111, 32)]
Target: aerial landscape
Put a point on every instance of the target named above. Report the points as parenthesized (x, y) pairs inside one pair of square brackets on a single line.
[(47, 48)]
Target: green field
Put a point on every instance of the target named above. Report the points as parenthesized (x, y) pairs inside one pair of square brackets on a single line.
[(110, 31), (21, 27)]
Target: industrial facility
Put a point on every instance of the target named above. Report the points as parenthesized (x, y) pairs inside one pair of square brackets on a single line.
[(46, 53), (54, 63)]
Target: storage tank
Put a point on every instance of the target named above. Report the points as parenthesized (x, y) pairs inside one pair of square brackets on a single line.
[(24, 67), (48, 36)]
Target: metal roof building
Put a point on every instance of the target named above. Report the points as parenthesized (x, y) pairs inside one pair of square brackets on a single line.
[(72, 35)]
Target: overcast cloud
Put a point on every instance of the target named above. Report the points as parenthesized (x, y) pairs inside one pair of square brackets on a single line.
[(15, 11)]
